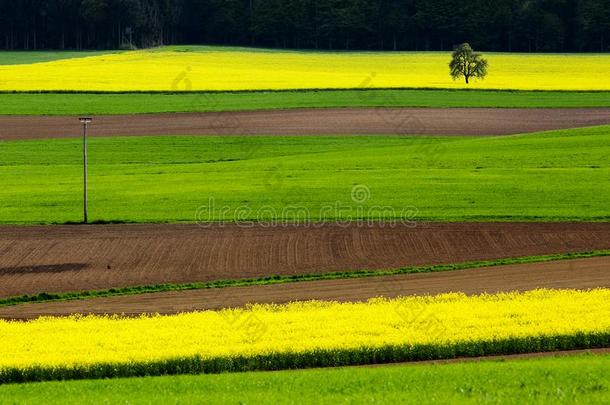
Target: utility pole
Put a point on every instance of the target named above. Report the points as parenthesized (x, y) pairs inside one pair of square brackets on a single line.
[(85, 121)]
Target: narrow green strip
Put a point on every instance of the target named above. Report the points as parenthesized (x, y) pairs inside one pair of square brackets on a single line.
[(100, 103), (282, 279), (307, 90)]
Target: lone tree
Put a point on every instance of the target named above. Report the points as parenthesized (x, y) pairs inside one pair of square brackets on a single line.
[(467, 63)]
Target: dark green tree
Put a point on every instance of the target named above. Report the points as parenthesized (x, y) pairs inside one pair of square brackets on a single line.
[(595, 15), (493, 25), (467, 63)]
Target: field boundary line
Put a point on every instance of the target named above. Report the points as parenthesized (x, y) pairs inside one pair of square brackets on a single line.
[(298, 90)]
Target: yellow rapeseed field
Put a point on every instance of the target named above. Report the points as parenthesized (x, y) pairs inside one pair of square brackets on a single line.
[(237, 69), (303, 328)]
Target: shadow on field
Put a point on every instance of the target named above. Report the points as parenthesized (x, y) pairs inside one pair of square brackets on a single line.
[(45, 268)]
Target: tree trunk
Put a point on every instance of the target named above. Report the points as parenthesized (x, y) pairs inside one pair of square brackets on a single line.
[(466, 79)]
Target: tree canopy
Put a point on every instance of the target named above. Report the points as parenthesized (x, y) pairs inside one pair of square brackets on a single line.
[(466, 63), (492, 25)]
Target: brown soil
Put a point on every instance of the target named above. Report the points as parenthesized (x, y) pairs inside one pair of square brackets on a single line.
[(74, 258), (581, 274), (343, 121)]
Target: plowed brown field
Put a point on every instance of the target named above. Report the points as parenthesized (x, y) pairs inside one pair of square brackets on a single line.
[(74, 258), (341, 121)]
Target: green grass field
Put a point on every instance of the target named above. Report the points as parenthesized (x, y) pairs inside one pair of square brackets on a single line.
[(578, 379), (28, 57), (555, 176), (563, 175), (135, 103)]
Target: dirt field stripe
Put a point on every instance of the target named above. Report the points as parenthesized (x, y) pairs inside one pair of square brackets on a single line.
[(570, 274), (60, 259), (332, 121)]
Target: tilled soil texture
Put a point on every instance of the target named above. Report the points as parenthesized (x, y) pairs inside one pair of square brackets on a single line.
[(77, 258), (580, 274), (342, 121)]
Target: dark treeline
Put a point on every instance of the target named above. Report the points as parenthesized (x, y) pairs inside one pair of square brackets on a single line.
[(493, 25)]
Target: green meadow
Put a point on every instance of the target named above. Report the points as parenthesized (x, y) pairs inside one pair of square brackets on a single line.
[(28, 57), (578, 379), (554, 176), (136, 103)]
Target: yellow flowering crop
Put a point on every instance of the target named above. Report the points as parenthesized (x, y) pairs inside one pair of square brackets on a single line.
[(302, 328), (220, 69)]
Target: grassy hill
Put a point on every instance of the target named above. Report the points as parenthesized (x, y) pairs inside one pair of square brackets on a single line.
[(563, 175)]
